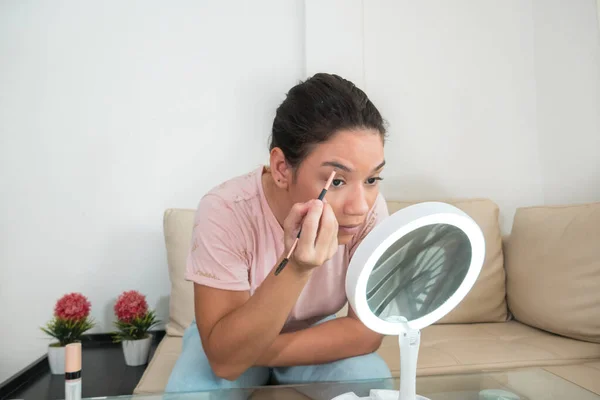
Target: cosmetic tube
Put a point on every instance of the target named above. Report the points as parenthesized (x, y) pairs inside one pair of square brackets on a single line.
[(73, 371)]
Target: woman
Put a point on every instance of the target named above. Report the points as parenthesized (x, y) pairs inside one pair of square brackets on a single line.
[(251, 325)]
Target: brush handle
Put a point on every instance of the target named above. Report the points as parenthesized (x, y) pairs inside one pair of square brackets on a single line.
[(321, 196), (281, 265)]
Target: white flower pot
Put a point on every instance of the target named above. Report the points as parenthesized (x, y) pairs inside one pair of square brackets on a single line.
[(136, 351), (56, 359)]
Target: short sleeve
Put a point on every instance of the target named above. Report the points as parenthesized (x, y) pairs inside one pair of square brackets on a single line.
[(378, 213), (217, 253)]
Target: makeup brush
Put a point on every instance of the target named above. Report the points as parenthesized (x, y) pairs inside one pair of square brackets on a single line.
[(284, 262)]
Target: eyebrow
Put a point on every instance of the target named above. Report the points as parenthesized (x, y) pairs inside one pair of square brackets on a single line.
[(377, 168), (336, 165), (343, 167)]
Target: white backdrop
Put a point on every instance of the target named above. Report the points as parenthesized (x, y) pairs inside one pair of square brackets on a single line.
[(112, 112), (485, 99)]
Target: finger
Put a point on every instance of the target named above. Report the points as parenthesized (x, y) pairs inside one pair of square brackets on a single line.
[(334, 243), (327, 233), (293, 221), (334, 246), (310, 225)]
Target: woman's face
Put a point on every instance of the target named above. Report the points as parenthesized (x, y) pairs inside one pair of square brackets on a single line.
[(357, 157)]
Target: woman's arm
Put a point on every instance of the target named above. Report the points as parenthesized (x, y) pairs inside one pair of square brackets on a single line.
[(236, 328), (330, 341)]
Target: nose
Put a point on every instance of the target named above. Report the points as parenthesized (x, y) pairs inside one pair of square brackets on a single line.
[(356, 202)]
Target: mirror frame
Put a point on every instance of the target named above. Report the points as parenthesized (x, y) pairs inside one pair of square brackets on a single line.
[(384, 235)]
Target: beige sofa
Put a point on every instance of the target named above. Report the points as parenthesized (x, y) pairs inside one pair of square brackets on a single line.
[(535, 303)]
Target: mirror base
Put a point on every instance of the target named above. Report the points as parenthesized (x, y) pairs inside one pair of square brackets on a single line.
[(377, 394)]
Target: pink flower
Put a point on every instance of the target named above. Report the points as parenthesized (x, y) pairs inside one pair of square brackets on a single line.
[(130, 305), (73, 306)]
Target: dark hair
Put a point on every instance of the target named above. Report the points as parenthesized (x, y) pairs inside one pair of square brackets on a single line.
[(315, 110)]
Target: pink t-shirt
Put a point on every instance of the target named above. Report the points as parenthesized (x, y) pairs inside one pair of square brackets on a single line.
[(237, 241)]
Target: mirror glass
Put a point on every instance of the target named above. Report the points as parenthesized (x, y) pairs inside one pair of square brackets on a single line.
[(418, 273)]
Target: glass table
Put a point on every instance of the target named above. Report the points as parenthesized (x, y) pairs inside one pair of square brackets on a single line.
[(522, 384)]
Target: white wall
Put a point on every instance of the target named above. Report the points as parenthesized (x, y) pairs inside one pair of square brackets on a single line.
[(484, 98), (111, 112), (464, 100), (567, 72)]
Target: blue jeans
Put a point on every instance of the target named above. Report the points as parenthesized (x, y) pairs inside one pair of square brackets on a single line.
[(192, 372)]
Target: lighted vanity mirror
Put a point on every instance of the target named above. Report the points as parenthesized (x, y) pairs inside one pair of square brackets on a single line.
[(410, 271)]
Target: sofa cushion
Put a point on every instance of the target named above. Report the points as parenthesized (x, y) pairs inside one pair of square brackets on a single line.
[(177, 225), (449, 348), (157, 373), (486, 302), (553, 269), (445, 349), (586, 375)]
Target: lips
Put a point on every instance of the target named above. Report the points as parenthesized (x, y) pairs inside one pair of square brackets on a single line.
[(349, 229)]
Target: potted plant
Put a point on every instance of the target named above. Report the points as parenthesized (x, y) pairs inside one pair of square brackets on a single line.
[(134, 320), (70, 321)]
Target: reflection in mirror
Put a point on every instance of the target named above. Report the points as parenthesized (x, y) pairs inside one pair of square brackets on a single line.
[(419, 272)]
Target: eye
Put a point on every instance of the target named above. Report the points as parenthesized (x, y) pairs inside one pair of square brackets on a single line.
[(373, 181), (337, 182)]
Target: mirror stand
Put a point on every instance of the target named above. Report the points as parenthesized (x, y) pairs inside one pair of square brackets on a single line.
[(409, 342)]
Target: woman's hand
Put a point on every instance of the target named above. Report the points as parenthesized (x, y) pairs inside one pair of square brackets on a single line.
[(318, 240)]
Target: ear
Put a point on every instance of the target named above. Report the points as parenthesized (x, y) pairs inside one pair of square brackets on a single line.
[(280, 170)]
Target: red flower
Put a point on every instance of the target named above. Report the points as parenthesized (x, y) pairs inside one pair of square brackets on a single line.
[(73, 306), (130, 305)]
